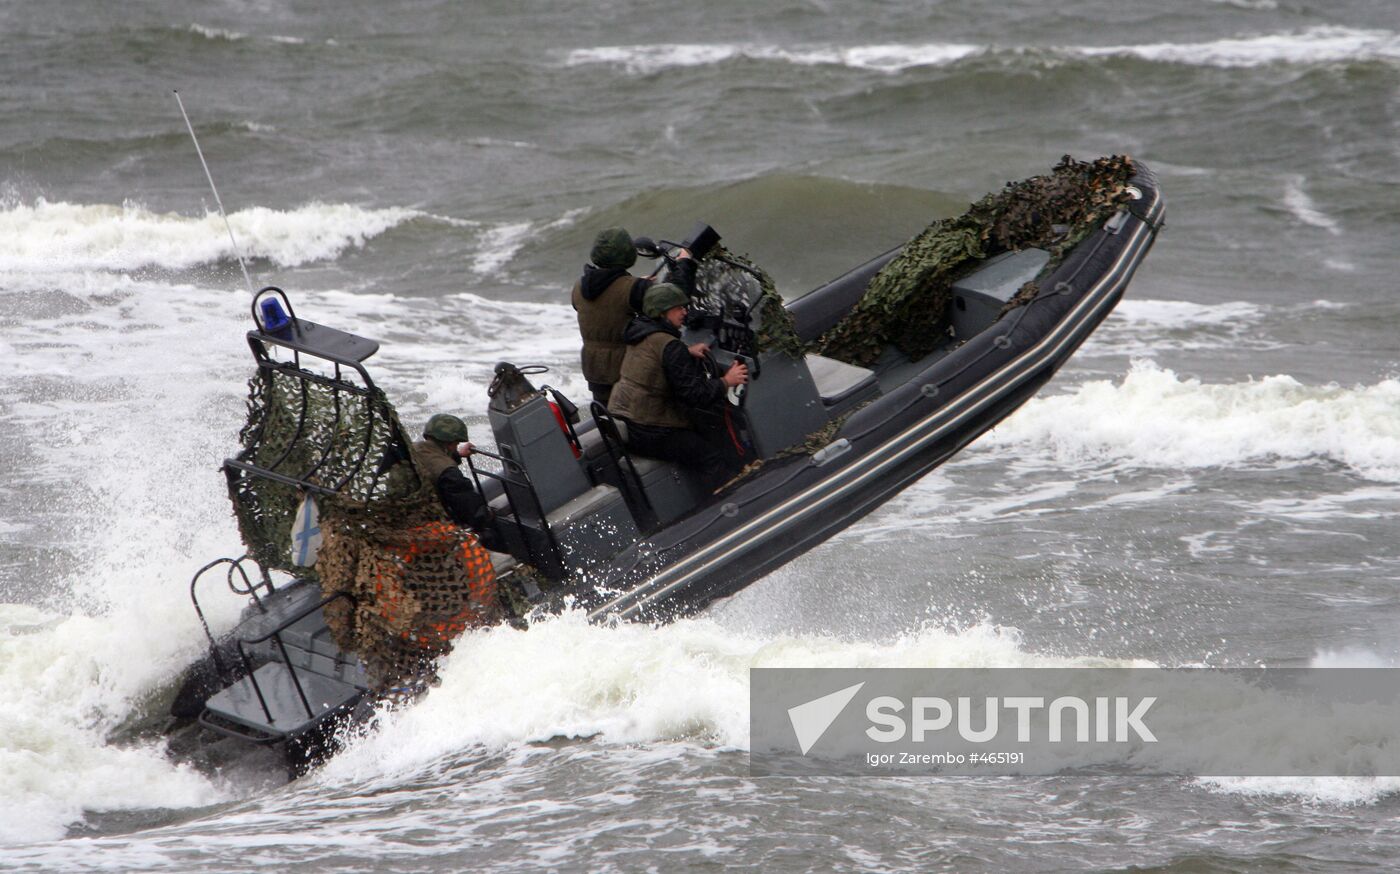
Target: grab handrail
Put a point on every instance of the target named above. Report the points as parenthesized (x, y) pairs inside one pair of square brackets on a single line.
[(509, 465), (249, 588)]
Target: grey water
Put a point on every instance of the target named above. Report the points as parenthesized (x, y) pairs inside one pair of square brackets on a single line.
[(1212, 480)]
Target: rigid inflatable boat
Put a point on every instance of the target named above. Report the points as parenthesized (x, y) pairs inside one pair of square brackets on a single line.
[(843, 411)]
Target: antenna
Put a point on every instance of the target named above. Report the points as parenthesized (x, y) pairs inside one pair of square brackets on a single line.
[(207, 175)]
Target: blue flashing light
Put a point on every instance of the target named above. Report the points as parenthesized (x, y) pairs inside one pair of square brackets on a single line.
[(273, 317)]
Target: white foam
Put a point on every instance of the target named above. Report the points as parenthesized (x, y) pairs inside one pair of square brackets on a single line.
[(1155, 418), (127, 395), (66, 682), (1315, 45), (499, 244), (220, 33), (1148, 328), (1358, 504), (217, 33), (503, 689), (1179, 314), (1321, 790), (1322, 44), (1316, 790), (47, 237), (1262, 5), (1296, 199), (618, 685), (889, 58), (139, 385)]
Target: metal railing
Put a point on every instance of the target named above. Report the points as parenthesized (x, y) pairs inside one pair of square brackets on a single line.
[(235, 565), (513, 473)]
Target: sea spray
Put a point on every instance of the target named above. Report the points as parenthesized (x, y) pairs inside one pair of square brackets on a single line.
[(67, 681), (686, 683)]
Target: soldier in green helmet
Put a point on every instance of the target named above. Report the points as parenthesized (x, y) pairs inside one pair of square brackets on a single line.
[(439, 454), (606, 298), (664, 383)]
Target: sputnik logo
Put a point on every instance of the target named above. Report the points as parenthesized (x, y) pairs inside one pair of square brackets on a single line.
[(811, 720)]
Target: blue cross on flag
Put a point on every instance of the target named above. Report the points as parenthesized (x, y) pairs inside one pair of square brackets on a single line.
[(306, 533)]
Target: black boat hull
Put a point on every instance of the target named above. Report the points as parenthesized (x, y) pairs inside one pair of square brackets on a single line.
[(893, 442)]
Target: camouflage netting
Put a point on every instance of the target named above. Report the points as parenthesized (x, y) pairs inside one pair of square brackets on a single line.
[(310, 431), (416, 580), (906, 304), (416, 588)]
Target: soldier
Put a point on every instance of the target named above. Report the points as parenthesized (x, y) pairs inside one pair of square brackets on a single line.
[(606, 298), (663, 381), (439, 453)]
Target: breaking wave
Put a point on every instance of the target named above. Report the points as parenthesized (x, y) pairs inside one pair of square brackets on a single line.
[(1156, 418), (886, 58), (44, 237), (1314, 45), (223, 34)]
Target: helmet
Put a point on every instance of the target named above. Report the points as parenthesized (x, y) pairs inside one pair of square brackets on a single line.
[(447, 428), (613, 247), (662, 297)]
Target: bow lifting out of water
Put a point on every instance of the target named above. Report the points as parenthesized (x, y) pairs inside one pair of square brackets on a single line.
[(357, 580)]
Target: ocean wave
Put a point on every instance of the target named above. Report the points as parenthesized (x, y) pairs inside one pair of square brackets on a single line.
[(889, 58), (54, 236), (1315, 45), (501, 243), (1150, 327), (225, 35), (217, 33), (1297, 201), (1156, 418)]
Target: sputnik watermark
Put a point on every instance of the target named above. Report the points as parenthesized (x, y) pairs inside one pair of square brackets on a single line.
[(1104, 720), (930, 715), (1049, 721)]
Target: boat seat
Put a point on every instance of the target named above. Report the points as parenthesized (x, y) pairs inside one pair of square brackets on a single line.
[(841, 385), (238, 710)]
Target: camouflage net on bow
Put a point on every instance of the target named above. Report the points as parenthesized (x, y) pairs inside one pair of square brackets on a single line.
[(313, 432), (414, 579), (906, 304)]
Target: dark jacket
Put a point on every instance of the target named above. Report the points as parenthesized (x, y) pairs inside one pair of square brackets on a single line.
[(605, 300), (661, 381), (464, 504)]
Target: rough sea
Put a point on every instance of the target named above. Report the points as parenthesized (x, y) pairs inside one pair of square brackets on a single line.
[(1213, 480)]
